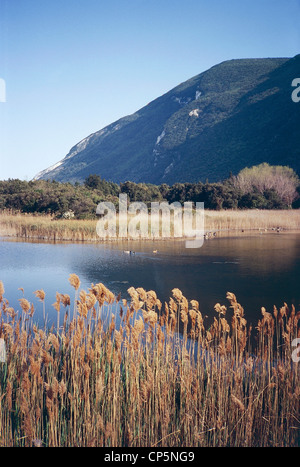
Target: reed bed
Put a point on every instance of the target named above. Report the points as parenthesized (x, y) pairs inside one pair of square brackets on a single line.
[(239, 221), (47, 227), (136, 372), (220, 223)]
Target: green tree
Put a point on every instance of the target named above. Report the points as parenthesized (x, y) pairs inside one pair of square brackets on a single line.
[(93, 181)]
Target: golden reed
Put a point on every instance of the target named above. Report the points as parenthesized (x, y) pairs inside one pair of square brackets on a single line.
[(219, 223), (139, 372)]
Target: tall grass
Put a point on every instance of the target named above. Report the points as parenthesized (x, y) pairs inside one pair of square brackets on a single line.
[(46, 227), (237, 221), (221, 223), (142, 373)]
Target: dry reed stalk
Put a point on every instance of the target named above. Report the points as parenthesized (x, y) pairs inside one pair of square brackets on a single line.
[(142, 383), (223, 222), (2, 290)]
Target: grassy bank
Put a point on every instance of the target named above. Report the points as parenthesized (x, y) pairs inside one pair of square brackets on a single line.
[(47, 228), (219, 223), (100, 381), (241, 222)]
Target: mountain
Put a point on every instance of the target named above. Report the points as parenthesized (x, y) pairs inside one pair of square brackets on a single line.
[(238, 113)]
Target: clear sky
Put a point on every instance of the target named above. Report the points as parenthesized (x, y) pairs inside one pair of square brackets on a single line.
[(72, 67)]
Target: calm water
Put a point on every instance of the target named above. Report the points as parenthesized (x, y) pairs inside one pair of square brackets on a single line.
[(262, 270)]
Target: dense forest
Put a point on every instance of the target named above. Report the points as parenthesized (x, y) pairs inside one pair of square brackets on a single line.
[(259, 187)]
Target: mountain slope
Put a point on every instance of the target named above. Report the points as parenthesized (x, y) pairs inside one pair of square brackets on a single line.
[(236, 114)]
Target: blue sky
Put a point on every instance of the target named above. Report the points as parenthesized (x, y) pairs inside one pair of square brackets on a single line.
[(73, 66)]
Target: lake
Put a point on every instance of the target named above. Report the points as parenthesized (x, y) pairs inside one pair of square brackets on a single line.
[(262, 270)]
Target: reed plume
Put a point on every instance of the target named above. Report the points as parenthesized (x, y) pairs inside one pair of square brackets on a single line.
[(74, 281), (25, 305), (40, 294), (136, 372)]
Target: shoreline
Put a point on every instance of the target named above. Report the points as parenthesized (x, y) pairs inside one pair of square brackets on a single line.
[(218, 224), (127, 240)]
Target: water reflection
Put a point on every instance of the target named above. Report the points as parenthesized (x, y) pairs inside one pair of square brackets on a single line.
[(261, 270)]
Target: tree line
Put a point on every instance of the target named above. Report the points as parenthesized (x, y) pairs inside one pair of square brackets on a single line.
[(259, 187)]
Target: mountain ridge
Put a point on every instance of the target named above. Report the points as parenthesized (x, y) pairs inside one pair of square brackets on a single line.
[(235, 114)]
